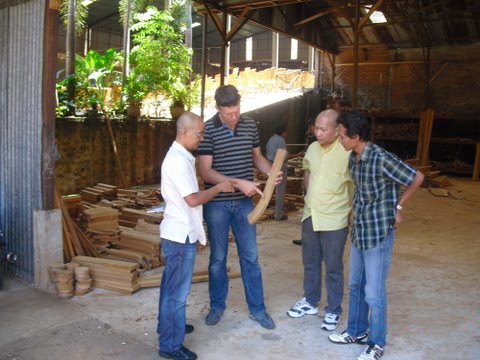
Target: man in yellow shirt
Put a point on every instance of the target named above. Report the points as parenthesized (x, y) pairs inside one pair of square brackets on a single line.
[(328, 200)]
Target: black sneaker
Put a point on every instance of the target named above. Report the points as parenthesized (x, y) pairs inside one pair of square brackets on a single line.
[(182, 354), (213, 317), (189, 328), (264, 319)]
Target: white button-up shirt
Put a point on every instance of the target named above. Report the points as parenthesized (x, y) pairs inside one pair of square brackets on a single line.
[(179, 179)]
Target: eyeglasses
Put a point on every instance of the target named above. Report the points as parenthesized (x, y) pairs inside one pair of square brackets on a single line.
[(198, 134)]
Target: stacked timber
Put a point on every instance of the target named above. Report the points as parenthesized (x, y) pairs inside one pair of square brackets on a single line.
[(146, 244), (110, 274), (143, 225), (129, 217), (52, 273), (101, 218), (65, 283), (83, 281)]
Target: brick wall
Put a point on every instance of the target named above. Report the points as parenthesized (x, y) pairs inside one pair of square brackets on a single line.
[(87, 157), (399, 88)]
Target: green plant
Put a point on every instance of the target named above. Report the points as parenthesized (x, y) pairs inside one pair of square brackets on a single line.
[(159, 57), (187, 94), (95, 73)]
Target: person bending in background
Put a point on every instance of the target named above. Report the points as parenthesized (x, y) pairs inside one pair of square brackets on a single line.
[(278, 141)]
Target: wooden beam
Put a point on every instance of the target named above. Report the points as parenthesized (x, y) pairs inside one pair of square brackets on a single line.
[(269, 187), (382, 63), (438, 72), (476, 165), (239, 22), (370, 12), (48, 104), (313, 17)]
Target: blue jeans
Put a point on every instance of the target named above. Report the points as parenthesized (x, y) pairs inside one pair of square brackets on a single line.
[(318, 247), (220, 216), (174, 289), (368, 293)]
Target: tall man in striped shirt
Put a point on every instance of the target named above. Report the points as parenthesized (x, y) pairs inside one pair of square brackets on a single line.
[(230, 149), (377, 210)]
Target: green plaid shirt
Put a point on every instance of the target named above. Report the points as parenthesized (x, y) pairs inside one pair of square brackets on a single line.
[(378, 176)]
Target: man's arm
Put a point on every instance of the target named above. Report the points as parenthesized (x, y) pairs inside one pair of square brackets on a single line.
[(204, 196), (306, 179), (417, 181), (212, 176)]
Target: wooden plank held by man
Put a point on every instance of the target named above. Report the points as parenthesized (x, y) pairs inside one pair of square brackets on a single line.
[(269, 187)]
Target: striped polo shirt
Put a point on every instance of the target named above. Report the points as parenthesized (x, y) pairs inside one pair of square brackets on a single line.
[(231, 150)]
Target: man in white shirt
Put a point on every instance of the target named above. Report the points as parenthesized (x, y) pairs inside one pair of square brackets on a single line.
[(181, 228)]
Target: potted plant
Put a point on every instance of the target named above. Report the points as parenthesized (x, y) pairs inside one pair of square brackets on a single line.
[(135, 90)]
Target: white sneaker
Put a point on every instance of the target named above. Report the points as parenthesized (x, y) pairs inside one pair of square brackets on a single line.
[(302, 308), (371, 352), (330, 321), (346, 338)]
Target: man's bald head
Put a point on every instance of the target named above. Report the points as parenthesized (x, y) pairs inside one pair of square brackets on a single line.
[(326, 127), (330, 116), (190, 129), (186, 120)]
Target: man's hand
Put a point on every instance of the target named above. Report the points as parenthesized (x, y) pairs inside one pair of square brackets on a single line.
[(398, 218), (225, 186), (249, 188), (279, 178)]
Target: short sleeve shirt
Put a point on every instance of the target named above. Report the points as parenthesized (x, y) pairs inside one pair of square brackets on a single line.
[(231, 151), (378, 176), (330, 188), (179, 179)]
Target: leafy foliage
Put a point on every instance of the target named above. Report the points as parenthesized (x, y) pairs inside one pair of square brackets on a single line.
[(81, 13), (159, 57)]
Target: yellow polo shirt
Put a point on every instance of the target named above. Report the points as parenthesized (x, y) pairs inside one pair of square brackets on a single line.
[(330, 190)]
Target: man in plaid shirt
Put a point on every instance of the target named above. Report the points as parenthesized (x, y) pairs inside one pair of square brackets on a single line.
[(377, 210)]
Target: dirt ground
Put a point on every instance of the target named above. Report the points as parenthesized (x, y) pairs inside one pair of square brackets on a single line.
[(433, 287)]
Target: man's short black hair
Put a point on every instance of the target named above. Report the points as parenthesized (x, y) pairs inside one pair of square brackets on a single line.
[(355, 123), (280, 128), (227, 95)]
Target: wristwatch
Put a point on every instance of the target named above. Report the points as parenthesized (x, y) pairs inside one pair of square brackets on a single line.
[(399, 207)]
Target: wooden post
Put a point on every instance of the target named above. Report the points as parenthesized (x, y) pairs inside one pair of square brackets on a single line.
[(356, 35), (204, 63), (427, 135), (48, 104), (476, 165)]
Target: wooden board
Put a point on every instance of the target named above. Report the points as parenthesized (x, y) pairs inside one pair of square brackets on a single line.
[(269, 187)]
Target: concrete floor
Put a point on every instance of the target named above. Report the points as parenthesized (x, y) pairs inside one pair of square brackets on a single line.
[(433, 286)]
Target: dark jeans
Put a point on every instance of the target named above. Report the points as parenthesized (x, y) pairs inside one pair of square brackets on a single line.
[(318, 246), (174, 289), (220, 216)]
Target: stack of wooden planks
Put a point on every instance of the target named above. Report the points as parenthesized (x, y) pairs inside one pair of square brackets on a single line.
[(129, 217), (153, 280), (101, 218), (98, 192), (144, 243), (74, 240), (111, 274)]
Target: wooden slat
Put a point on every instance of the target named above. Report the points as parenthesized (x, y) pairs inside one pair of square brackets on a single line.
[(269, 187), (476, 165)]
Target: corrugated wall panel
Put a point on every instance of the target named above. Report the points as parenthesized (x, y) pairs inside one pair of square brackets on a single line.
[(21, 57)]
